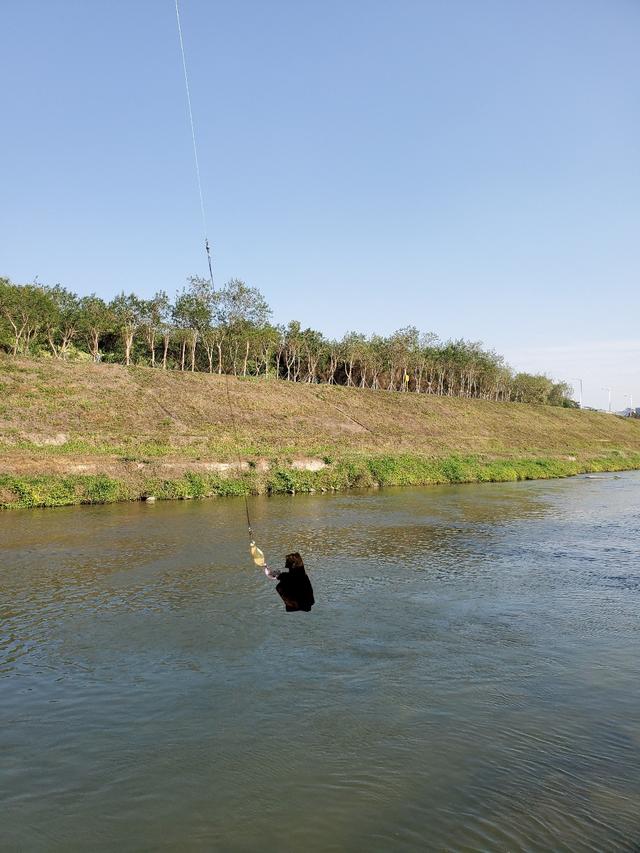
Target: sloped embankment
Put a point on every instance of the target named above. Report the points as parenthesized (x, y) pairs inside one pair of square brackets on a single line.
[(72, 433)]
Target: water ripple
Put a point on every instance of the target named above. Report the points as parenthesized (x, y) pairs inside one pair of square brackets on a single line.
[(469, 679)]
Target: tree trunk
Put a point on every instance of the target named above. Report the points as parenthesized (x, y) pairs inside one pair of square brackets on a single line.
[(333, 363), (349, 373), (52, 346), (246, 358), (17, 335), (64, 347), (128, 342), (194, 343)]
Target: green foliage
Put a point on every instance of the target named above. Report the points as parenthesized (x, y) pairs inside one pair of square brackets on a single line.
[(528, 388), (96, 319), (62, 319), (101, 489), (197, 485), (240, 304), (127, 311), (41, 491), (194, 485), (224, 488), (357, 472), (229, 331), (284, 480), (52, 491), (24, 311)]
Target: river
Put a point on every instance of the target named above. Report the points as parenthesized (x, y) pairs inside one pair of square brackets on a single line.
[(469, 679)]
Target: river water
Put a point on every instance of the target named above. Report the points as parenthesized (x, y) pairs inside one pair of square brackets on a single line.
[(469, 679)]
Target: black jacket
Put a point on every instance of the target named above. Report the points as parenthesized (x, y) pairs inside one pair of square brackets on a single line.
[(294, 588)]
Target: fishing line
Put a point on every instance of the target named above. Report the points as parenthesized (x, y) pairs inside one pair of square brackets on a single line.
[(256, 553)]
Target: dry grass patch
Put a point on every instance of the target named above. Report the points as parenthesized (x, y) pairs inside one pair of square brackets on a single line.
[(109, 413)]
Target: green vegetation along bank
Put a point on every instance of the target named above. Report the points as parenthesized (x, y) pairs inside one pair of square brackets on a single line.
[(81, 433)]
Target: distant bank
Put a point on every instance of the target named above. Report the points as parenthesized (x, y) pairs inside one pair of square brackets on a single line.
[(84, 433)]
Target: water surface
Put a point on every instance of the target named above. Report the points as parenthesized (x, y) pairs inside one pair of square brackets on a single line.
[(469, 679)]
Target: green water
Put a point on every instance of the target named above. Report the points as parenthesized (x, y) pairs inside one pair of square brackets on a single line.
[(469, 679)]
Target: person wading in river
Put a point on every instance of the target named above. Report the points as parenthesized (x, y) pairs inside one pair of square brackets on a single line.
[(294, 586)]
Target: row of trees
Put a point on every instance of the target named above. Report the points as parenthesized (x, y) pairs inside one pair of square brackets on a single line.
[(230, 331)]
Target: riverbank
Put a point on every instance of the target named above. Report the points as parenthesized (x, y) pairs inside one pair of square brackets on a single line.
[(49, 490), (83, 433)]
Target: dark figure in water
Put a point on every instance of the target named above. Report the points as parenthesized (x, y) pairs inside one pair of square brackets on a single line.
[(294, 586)]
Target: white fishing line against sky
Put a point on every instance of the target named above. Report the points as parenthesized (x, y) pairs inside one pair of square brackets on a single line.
[(467, 167)]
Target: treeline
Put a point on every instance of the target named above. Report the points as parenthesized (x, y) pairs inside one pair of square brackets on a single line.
[(229, 331)]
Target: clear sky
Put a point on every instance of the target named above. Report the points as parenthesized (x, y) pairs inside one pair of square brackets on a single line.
[(467, 167)]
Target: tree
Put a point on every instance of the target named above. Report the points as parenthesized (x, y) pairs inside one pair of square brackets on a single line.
[(239, 309), (166, 330), (192, 314), (212, 339), (313, 348), (267, 343), (239, 302), (376, 359), (200, 313), (95, 319), (528, 388), (62, 320), (127, 313), (234, 323), (402, 345), (155, 313), (352, 349), (24, 309), (291, 352), (11, 312), (560, 395)]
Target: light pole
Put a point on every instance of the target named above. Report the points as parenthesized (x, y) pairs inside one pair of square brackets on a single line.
[(606, 388), (580, 381)]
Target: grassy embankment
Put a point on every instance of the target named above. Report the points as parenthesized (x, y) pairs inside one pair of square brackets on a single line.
[(84, 433)]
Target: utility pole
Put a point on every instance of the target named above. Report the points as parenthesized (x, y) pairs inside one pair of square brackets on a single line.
[(580, 381)]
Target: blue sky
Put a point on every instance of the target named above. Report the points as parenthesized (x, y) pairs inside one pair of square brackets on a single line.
[(467, 167)]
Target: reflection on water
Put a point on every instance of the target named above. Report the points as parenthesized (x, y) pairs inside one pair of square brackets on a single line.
[(469, 679)]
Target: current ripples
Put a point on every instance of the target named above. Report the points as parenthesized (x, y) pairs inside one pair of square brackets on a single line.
[(469, 679)]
